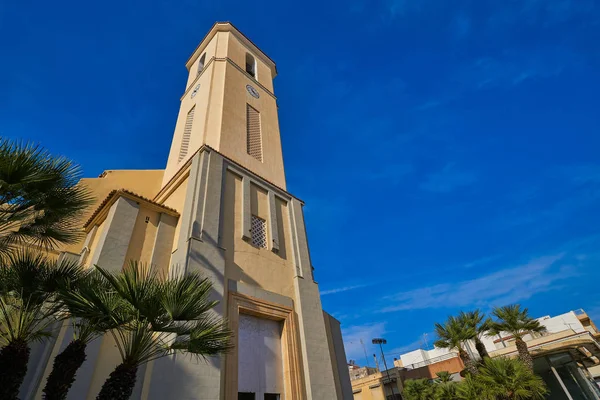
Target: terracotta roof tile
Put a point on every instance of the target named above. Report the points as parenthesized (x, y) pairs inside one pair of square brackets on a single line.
[(117, 193)]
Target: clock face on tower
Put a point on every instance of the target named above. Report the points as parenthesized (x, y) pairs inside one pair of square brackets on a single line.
[(195, 91), (253, 92)]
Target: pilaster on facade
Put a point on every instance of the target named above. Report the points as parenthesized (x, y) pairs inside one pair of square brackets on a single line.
[(111, 250), (198, 250)]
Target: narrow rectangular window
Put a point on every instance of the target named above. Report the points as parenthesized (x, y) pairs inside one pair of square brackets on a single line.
[(187, 131), (254, 139), (201, 64), (258, 230), (271, 396), (250, 65), (246, 396)]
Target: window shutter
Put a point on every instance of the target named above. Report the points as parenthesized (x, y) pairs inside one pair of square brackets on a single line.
[(259, 232), (254, 139), (187, 131)]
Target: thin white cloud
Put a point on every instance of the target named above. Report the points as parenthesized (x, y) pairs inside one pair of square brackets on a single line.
[(343, 289), (499, 288), (482, 261), (425, 341), (352, 340)]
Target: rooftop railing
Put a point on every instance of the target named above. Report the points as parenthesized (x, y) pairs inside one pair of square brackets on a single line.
[(431, 361)]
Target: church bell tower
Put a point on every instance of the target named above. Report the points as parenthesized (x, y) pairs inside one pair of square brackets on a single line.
[(239, 226), (230, 106)]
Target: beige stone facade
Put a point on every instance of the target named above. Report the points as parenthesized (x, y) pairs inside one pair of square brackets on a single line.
[(385, 385), (220, 207)]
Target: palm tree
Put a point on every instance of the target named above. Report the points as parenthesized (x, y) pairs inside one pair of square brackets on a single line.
[(518, 323), (446, 391), (40, 200), (452, 335), (446, 387), (444, 377), (154, 317), (471, 388), (418, 389), (67, 363), (479, 325), (510, 379), (28, 285)]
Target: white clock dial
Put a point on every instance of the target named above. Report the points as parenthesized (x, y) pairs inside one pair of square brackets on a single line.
[(195, 91), (253, 92)]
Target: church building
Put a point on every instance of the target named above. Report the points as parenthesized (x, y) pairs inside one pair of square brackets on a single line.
[(219, 207)]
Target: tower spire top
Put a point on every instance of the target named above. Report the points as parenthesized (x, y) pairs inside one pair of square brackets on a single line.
[(226, 26)]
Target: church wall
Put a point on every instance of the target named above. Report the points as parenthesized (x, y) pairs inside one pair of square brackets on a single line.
[(176, 201), (245, 262), (107, 360), (237, 53), (259, 205), (163, 243), (200, 104), (337, 353), (142, 238), (211, 51), (284, 229), (208, 102), (143, 182), (233, 136), (214, 118), (94, 246)]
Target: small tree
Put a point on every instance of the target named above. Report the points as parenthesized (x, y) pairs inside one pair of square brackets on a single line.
[(443, 377), (452, 335), (155, 318), (418, 389), (40, 200), (518, 323), (478, 326), (471, 389), (446, 391), (28, 285), (510, 379)]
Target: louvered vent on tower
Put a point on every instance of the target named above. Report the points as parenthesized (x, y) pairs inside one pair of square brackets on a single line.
[(254, 139), (187, 131)]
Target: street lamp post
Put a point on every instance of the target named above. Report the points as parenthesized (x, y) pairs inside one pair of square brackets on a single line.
[(381, 342)]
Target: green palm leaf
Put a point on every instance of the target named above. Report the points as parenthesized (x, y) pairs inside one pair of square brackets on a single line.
[(41, 202)]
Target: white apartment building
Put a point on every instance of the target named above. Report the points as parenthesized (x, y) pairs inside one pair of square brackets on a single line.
[(567, 356)]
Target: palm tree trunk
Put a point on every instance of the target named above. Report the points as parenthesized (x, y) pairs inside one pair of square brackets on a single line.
[(524, 354), (481, 348), (467, 361), (64, 369), (13, 367), (120, 383)]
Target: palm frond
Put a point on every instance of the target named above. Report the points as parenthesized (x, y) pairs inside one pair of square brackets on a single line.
[(186, 298), (22, 320), (139, 285), (40, 199), (149, 316), (453, 333), (504, 377), (208, 337), (514, 320)]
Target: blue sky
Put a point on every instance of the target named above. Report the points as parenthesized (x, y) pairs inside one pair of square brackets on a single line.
[(447, 151)]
